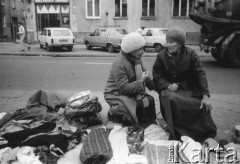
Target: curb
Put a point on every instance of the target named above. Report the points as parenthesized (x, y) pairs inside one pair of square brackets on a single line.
[(76, 54)]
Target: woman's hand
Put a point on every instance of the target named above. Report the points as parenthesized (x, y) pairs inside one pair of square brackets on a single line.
[(173, 87), (207, 103)]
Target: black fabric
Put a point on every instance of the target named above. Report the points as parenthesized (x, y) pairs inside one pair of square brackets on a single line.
[(183, 116), (146, 115), (122, 118), (97, 159), (36, 137), (23, 134)]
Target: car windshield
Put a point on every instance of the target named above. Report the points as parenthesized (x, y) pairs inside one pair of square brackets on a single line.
[(61, 33), (117, 32)]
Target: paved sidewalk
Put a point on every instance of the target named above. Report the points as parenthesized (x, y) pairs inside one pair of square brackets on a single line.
[(79, 50)]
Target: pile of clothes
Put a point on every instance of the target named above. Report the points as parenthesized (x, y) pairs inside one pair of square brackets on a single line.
[(44, 132)]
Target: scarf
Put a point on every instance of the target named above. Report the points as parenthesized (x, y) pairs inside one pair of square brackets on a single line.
[(139, 71)]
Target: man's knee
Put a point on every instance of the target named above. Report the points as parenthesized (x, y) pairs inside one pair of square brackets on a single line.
[(166, 94)]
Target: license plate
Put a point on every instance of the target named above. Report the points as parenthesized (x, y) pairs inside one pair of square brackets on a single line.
[(63, 40)]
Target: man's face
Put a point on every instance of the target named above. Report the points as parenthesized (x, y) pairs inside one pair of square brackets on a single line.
[(172, 46), (138, 53)]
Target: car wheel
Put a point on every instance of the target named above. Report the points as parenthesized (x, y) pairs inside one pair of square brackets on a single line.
[(41, 46), (158, 47), (144, 49), (70, 48), (234, 53), (110, 48), (88, 46), (48, 48)]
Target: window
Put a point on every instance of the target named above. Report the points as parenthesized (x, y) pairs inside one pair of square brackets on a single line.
[(45, 32), (148, 8), (61, 33), (93, 9), (3, 2), (65, 19), (97, 32), (120, 8), (14, 4), (182, 7), (104, 33), (4, 21), (49, 32)]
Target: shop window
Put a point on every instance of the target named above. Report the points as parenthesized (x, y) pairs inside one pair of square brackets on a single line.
[(182, 8), (148, 8), (120, 8), (93, 9)]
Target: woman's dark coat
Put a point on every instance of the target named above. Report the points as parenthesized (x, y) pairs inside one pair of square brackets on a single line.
[(181, 109)]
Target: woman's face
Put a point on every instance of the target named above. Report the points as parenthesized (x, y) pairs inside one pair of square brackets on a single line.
[(172, 46), (138, 53)]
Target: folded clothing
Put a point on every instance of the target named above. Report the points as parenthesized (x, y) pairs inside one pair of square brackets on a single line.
[(155, 132), (96, 143)]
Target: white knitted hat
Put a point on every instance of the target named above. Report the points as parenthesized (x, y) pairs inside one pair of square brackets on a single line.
[(132, 41)]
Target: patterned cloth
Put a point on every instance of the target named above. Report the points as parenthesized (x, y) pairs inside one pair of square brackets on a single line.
[(135, 136), (96, 143)]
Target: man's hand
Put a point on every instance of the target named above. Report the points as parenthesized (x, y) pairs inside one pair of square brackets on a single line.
[(173, 87), (145, 76), (207, 103)]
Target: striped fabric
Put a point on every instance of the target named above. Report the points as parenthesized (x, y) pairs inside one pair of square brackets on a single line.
[(96, 143), (157, 152)]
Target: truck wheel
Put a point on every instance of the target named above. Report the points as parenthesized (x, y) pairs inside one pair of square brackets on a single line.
[(110, 48), (158, 47), (70, 48), (234, 53), (215, 56), (88, 46)]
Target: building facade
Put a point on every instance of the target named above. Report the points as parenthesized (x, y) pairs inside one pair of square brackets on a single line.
[(84, 16), (12, 12)]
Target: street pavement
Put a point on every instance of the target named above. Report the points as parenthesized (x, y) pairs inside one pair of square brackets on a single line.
[(79, 50), (226, 106)]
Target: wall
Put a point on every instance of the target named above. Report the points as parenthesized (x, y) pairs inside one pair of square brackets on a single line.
[(10, 12), (30, 22), (82, 27), (165, 19)]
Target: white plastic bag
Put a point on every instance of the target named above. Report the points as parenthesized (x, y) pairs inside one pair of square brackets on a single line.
[(79, 99)]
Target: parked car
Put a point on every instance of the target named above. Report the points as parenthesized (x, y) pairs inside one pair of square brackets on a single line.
[(155, 38), (109, 38), (56, 37)]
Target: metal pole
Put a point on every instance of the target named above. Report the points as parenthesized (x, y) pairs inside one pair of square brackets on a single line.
[(1, 21)]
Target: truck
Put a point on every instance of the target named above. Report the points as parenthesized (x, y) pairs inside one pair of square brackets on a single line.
[(220, 29)]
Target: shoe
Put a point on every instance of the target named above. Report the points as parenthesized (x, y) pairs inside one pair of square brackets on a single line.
[(29, 48)]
